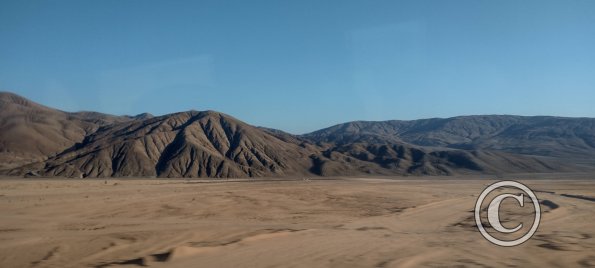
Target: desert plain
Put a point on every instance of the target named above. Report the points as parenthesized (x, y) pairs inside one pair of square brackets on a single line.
[(335, 222)]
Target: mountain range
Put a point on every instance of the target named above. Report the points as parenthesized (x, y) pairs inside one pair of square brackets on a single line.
[(36, 140)]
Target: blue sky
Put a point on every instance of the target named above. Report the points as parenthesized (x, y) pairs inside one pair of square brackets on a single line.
[(303, 65)]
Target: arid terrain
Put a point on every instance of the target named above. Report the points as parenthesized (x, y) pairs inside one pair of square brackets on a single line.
[(39, 141), (259, 134), (338, 222), (86, 189)]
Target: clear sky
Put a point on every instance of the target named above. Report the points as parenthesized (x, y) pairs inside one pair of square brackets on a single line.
[(306, 64)]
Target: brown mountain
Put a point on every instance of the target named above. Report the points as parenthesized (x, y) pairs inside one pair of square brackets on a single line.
[(402, 159), (31, 132), (559, 137), (188, 144), (212, 144)]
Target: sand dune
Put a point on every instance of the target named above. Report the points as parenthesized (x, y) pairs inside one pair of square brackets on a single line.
[(332, 223)]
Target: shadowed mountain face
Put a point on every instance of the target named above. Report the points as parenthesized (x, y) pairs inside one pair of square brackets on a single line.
[(189, 144), (402, 159), (37, 140)]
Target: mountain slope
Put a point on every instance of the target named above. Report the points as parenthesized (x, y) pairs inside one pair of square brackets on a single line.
[(31, 132), (530, 135), (189, 144), (403, 159), (37, 140)]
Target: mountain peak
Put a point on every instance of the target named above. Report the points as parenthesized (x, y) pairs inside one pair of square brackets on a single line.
[(209, 143), (14, 99)]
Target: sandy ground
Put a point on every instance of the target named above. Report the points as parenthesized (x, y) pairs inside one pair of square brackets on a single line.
[(337, 223)]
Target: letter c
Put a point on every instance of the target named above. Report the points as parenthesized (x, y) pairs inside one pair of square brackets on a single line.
[(493, 213)]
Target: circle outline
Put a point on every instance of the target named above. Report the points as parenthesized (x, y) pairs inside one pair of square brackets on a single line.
[(519, 186)]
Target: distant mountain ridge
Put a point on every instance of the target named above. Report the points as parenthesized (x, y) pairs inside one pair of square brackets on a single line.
[(530, 135), (40, 141)]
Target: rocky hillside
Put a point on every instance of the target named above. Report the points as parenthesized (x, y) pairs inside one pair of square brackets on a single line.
[(40, 141), (188, 144), (31, 132), (559, 137)]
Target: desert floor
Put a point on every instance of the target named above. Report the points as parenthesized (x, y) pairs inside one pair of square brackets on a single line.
[(352, 222)]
